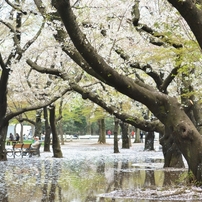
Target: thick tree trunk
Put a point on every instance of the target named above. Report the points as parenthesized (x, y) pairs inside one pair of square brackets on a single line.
[(116, 128), (3, 107), (125, 138), (149, 141), (172, 155), (55, 142), (197, 112)]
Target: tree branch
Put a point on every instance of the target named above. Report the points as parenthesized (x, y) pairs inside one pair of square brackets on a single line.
[(192, 14), (52, 71), (16, 7), (142, 124), (17, 48), (31, 41), (3, 66), (156, 38), (9, 116)]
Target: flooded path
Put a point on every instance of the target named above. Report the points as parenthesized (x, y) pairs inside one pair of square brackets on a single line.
[(90, 172)]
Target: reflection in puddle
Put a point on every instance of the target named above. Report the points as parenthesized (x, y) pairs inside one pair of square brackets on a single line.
[(86, 180)]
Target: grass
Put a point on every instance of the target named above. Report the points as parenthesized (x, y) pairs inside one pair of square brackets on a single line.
[(31, 141)]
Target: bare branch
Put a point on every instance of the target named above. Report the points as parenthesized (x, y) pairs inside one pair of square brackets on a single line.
[(21, 111), (156, 38), (30, 42), (16, 7), (169, 79), (52, 71), (17, 48), (142, 124)]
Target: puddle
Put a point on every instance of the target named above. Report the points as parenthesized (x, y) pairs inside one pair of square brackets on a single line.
[(57, 180), (90, 175)]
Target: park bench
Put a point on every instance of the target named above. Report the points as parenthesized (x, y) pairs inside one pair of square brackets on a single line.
[(16, 150), (21, 149), (35, 151), (28, 150)]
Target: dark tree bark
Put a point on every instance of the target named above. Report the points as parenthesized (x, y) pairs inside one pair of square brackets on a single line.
[(57, 153), (3, 106), (149, 141), (116, 128), (59, 122), (165, 108), (102, 133), (172, 155), (125, 138), (38, 126), (47, 131)]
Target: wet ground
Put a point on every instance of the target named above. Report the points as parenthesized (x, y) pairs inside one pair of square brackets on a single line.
[(90, 172)]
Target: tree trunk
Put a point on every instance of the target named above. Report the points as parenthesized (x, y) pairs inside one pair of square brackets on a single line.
[(21, 132), (149, 141), (102, 133), (38, 124), (3, 108), (197, 111), (47, 131), (116, 128), (125, 139), (59, 122), (3, 133), (137, 135), (57, 153), (60, 131), (172, 155)]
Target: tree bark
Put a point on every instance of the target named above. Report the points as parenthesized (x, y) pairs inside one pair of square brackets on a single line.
[(137, 135), (149, 141), (125, 138), (4, 122), (102, 133), (116, 128), (47, 131), (38, 125), (57, 153), (3, 133)]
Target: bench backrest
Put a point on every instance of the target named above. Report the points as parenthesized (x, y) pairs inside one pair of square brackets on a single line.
[(26, 146), (18, 146)]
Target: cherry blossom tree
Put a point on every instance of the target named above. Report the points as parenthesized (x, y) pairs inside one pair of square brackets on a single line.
[(166, 108), (22, 89)]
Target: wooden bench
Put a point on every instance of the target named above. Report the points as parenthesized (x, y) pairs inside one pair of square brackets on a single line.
[(25, 149), (15, 151), (35, 151), (28, 150), (21, 149)]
